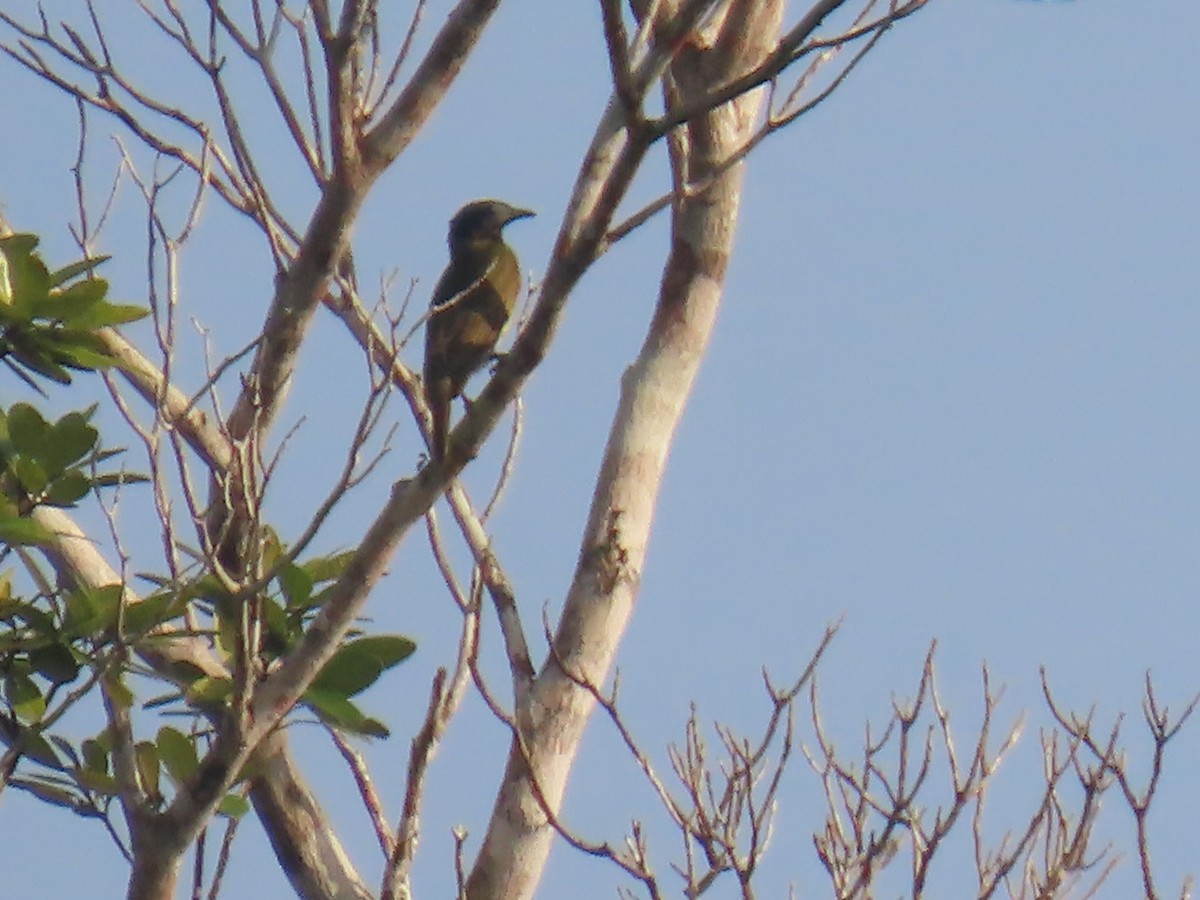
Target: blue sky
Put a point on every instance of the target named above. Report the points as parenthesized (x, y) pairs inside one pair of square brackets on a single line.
[(952, 395)]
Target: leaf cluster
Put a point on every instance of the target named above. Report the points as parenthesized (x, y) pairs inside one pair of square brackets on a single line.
[(284, 608), (48, 641), (49, 320), (60, 643), (48, 464)]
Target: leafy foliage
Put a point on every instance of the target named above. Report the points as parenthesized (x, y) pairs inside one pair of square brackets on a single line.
[(293, 595), (47, 642), (49, 320), (50, 323), (57, 645), (50, 464)]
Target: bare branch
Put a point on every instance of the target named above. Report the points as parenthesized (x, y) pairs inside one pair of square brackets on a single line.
[(366, 789)]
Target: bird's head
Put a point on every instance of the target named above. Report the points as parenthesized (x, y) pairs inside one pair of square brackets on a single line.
[(481, 222)]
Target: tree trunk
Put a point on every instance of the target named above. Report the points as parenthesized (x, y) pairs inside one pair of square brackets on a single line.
[(305, 844), (653, 394), (156, 859)]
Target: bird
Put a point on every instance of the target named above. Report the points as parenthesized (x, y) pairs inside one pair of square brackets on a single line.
[(471, 304)]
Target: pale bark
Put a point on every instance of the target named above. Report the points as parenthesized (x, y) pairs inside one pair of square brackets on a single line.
[(699, 67), (653, 394), (305, 844), (313, 859)]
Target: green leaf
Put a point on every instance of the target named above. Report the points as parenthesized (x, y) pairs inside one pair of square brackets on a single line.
[(178, 754), (97, 782), (390, 649), (209, 587), (95, 756), (209, 689), (141, 617), (92, 611), (40, 363), (15, 246), (226, 625), (37, 619), (73, 350), (24, 696), (275, 618), (66, 749), (372, 727), (6, 288), (50, 793), (112, 479), (55, 662), (40, 622), (145, 754), (82, 616), (271, 547), (233, 806), (161, 700), (17, 531), (35, 746), (39, 749), (357, 665), (279, 633), (31, 474), (75, 269), (118, 692), (328, 568), (12, 644), (296, 583), (315, 602), (45, 451), (101, 455), (69, 440), (348, 672), (77, 300), (104, 739), (27, 430), (104, 314), (336, 710), (27, 275), (67, 490), (252, 768)]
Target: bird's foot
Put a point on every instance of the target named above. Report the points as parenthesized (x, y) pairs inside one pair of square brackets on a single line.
[(497, 360)]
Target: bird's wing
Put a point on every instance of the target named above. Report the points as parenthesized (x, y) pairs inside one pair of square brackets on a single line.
[(456, 282), (466, 317)]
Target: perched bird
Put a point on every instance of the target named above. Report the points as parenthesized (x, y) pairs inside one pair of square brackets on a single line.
[(470, 307)]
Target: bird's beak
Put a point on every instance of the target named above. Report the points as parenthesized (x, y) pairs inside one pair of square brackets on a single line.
[(512, 213)]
